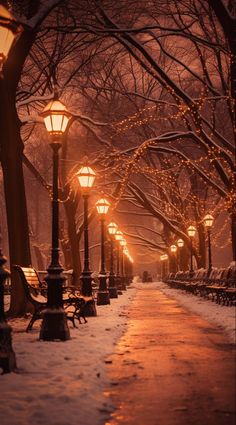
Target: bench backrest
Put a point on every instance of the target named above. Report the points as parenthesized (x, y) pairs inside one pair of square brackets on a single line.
[(31, 277), (31, 284)]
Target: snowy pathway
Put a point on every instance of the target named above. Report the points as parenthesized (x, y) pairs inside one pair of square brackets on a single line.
[(171, 367)]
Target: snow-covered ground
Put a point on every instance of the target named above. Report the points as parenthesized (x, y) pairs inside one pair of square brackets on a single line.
[(63, 383)]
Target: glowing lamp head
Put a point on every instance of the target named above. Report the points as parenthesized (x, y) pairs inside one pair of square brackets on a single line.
[(165, 256), (112, 228), (86, 177), (162, 257), (208, 221), (118, 235), (173, 248), (102, 206), (180, 243), (191, 231), (123, 242), (56, 118), (9, 32)]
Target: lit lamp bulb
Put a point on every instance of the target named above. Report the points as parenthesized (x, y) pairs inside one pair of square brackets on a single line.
[(112, 228), (86, 177), (208, 221), (102, 206), (173, 248), (118, 235), (180, 243), (56, 118), (10, 30), (123, 242), (191, 231)]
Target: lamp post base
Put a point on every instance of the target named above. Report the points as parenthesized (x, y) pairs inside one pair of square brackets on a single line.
[(54, 326), (123, 286), (103, 298), (90, 309), (103, 293), (112, 287), (113, 292), (87, 291), (118, 285), (7, 355)]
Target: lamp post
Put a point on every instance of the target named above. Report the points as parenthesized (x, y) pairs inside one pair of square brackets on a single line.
[(208, 221), (10, 29), (118, 237), (103, 294), (112, 228), (162, 258), (86, 177), (180, 244), (191, 233), (130, 266), (123, 244), (54, 325), (127, 265), (173, 249)]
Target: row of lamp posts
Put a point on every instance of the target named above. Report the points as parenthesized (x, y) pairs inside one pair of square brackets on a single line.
[(191, 230), (54, 325)]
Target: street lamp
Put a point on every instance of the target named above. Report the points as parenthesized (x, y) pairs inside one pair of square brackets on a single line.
[(112, 228), (173, 249), (180, 244), (118, 238), (54, 325), (103, 294), (86, 177), (10, 30), (208, 221), (162, 259), (191, 233), (123, 244), (130, 268)]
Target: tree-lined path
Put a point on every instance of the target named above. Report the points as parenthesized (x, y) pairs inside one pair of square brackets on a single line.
[(171, 367)]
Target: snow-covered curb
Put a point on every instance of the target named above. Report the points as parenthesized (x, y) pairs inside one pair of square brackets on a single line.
[(61, 383), (221, 316)]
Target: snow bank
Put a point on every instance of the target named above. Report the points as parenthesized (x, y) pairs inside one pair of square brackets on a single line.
[(62, 383)]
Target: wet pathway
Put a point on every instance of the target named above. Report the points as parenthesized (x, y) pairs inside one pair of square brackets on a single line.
[(171, 367)]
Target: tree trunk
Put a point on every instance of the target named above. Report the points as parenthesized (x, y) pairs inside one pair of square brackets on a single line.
[(227, 19), (70, 209), (15, 199)]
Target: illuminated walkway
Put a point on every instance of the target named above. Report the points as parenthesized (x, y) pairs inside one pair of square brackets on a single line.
[(171, 367)]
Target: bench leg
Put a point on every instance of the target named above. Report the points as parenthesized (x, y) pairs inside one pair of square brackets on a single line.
[(30, 325)]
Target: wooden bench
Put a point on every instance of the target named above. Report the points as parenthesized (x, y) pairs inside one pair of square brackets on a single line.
[(219, 285), (36, 294)]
